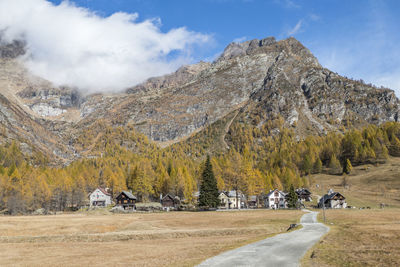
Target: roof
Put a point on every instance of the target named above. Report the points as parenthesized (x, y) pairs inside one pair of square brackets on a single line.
[(232, 193), (253, 198), (272, 191), (303, 191), (171, 196), (103, 191), (220, 193), (128, 194), (329, 197)]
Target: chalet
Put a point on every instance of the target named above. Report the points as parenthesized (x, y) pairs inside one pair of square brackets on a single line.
[(100, 198), (332, 200), (252, 203), (169, 201), (275, 199), (126, 200), (304, 194)]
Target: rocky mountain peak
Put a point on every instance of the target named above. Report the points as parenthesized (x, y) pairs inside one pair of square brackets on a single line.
[(235, 49), (253, 82)]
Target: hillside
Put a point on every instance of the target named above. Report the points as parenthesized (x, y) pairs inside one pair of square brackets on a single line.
[(368, 185), (266, 111), (255, 81)]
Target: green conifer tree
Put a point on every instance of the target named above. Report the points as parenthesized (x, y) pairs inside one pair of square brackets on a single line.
[(208, 188), (292, 198)]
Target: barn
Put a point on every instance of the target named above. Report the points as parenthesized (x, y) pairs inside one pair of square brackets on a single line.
[(169, 201)]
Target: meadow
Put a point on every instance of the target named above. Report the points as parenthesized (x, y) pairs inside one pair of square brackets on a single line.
[(365, 235), (140, 239)]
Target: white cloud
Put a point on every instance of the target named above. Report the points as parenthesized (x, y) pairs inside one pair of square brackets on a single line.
[(296, 28), (240, 39), (69, 45)]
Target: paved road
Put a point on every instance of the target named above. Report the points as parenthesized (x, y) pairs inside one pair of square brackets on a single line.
[(281, 250)]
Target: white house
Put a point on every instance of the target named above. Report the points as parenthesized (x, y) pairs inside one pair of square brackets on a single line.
[(275, 199), (238, 201), (100, 198), (229, 200)]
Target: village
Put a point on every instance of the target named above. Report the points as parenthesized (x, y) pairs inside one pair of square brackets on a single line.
[(125, 201)]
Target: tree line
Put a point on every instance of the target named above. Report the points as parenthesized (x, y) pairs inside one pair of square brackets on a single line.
[(257, 161)]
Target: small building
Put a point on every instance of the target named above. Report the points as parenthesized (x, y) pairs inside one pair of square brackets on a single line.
[(100, 198), (126, 200), (304, 194), (170, 202), (332, 200), (275, 199), (252, 203)]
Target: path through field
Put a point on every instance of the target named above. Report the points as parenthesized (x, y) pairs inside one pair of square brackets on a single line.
[(281, 250)]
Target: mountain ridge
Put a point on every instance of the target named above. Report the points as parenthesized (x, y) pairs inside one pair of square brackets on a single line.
[(261, 80)]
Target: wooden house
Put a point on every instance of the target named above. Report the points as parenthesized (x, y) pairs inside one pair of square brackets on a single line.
[(100, 198), (252, 202), (126, 200), (332, 200), (303, 194), (275, 199), (169, 201)]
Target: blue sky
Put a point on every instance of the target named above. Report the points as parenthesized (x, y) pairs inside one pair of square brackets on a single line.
[(358, 38)]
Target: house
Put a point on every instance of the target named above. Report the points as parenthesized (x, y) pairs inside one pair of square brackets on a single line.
[(100, 198), (275, 199), (304, 194), (236, 200), (332, 200), (252, 203), (169, 201), (126, 200), (223, 201), (229, 200)]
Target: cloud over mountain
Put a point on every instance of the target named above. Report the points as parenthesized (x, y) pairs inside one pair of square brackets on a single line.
[(69, 45)]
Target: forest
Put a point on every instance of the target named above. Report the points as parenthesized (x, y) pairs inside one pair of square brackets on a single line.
[(258, 159)]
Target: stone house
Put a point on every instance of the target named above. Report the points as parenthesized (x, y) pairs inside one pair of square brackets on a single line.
[(100, 198)]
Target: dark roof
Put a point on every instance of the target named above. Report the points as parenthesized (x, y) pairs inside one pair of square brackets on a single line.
[(329, 197), (128, 194), (303, 191), (171, 196)]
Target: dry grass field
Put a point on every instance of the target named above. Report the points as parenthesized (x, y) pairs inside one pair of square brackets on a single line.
[(366, 237), (358, 238), (369, 185), (141, 239)]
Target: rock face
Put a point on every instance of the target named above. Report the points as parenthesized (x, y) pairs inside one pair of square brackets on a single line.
[(264, 78)]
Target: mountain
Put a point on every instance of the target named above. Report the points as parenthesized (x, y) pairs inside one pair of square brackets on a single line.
[(253, 82)]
